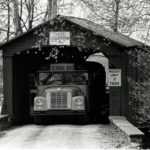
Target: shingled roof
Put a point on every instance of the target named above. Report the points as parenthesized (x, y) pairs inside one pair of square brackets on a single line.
[(97, 29)]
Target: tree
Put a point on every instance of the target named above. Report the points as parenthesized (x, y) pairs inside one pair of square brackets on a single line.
[(30, 6), (17, 18), (8, 23), (31, 13), (52, 8), (139, 88), (127, 17)]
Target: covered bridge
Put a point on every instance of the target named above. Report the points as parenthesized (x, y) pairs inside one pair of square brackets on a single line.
[(25, 54)]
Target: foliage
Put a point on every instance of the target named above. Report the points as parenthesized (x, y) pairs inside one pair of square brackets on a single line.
[(139, 88), (127, 17)]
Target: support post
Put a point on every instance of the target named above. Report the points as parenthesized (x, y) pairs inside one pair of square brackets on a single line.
[(7, 107)]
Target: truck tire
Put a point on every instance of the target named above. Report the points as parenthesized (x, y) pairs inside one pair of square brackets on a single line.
[(37, 120), (82, 119)]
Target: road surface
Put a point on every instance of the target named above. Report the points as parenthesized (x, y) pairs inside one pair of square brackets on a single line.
[(92, 136)]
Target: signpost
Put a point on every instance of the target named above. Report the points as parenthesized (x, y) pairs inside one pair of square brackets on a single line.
[(59, 38), (114, 77)]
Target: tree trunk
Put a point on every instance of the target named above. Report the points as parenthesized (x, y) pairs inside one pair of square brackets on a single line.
[(52, 9), (16, 20), (117, 2), (8, 19), (30, 5)]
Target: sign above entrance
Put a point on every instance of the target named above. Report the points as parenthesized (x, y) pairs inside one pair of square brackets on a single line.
[(59, 38), (114, 77), (61, 67)]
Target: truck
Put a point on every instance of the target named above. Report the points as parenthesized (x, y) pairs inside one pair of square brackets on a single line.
[(61, 91), (67, 89)]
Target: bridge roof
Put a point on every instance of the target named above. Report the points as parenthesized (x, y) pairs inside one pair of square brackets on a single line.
[(97, 29), (108, 34)]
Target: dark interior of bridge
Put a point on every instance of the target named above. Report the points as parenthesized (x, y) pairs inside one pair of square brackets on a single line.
[(31, 61)]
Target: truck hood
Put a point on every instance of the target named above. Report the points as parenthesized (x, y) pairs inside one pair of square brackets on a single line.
[(76, 91)]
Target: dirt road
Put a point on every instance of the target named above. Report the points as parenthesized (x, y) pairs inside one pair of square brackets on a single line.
[(63, 137)]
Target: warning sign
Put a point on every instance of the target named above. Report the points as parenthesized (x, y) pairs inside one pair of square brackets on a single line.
[(114, 77)]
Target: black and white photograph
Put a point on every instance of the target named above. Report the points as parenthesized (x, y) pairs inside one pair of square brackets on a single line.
[(74, 74)]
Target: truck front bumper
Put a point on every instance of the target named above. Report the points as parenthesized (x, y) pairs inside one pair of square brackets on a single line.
[(60, 112)]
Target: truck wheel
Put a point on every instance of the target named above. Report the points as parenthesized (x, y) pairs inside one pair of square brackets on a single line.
[(82, 120), (37, 120)]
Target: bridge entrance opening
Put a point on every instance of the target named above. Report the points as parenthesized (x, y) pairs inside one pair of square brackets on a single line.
[(80, 89)]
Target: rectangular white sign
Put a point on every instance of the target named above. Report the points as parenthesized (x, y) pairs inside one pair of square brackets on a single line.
[(114, 77), (59, 38), (61, 67)]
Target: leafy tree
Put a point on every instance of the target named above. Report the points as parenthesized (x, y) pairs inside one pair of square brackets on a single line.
[(140, 87), (19, 16), (127, 17)]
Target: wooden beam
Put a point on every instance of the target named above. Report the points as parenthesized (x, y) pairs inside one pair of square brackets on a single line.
[(8, 85)]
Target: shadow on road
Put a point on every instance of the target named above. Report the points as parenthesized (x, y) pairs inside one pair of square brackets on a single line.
[(76, 120)]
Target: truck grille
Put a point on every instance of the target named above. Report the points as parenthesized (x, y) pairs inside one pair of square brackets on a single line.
[(59, 100)]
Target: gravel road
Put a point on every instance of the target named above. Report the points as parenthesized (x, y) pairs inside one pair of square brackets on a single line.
[(94, 136)]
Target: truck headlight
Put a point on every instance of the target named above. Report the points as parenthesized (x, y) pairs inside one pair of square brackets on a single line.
[(78, 103), (39, 101), (79, 100)]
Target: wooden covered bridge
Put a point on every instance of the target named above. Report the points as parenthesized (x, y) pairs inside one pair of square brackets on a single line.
[(80, 39)]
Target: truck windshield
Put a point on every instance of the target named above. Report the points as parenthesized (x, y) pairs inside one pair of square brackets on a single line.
[(63, 78)]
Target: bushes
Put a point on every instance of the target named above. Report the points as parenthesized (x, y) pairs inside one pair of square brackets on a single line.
[(140, 88)]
